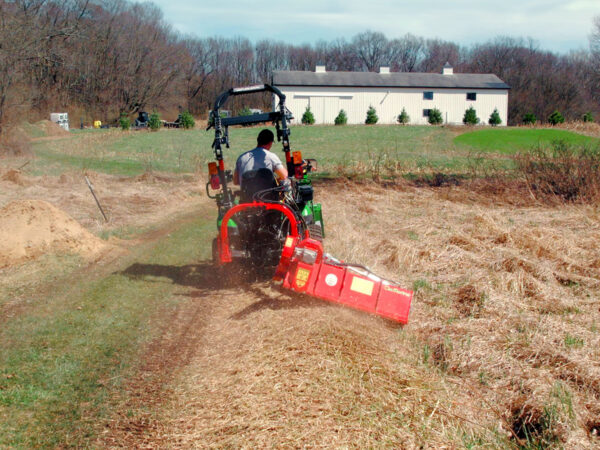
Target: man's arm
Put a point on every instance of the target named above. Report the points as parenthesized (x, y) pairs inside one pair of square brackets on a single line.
[(281, 172)]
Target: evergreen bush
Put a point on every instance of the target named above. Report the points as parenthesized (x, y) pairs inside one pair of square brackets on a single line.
[(245, 111), (124, 122), (154, 122), (556, 118), (495, 119), (308, 118), (529, 119), (470, 117), (342, 118), (435, 117), (588, 117), (187, 120), (403, 118), (371, 116)]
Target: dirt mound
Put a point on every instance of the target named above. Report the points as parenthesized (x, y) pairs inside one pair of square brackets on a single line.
[(14, 176), (51, 129), (31, 228)]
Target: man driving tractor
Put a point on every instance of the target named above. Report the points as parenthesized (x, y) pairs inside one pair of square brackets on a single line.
[(256, 169)]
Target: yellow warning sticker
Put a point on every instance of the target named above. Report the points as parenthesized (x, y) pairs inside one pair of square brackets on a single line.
[(362, 286), (289, 241), (302, 277)]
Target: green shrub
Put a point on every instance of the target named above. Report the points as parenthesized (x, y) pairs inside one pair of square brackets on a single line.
[(308, 118), (187, 120), (470, 117), (495, 119), (529, 119), (124, 122), (342, 118), (371, 116), (588, 117), (403, 118), (211, 119), (435, 117), (154, 121), (245, 111), (556, 118)]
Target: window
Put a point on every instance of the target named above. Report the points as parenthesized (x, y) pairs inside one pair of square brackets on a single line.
[(472, 96), (428, 95), (426, 112)]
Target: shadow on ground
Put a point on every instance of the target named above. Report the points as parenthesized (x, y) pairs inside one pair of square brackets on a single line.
[(206, 279)]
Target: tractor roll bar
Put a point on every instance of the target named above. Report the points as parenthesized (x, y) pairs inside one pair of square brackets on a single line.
[(221, 99), (283, 132)]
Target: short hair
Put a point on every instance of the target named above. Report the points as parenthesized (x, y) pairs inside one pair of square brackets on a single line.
[(264, 137)]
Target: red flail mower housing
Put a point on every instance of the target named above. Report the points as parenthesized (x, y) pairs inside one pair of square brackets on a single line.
[(285, 229), (305, 268)]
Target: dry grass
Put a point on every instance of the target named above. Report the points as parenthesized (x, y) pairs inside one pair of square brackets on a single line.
[(14, 142), (506, 300), (562, 173), (502, 347)]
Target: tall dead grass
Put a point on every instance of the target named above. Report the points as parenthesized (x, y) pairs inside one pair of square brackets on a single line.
[(14, 142), (506, 302), (562, 171)]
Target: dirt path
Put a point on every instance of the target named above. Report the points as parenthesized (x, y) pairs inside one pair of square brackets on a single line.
[(242, 364)]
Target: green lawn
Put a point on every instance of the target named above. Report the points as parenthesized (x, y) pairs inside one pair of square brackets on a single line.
[(512, 140), (131, 153), (412, 149)]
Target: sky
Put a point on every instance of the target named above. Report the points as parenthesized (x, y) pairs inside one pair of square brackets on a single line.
[(556, 25)]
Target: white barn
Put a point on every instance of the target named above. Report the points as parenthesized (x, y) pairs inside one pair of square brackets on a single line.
[(388, 92)]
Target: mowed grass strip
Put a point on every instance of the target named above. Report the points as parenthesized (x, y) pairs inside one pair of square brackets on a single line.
[(64, 359), (513, 140)]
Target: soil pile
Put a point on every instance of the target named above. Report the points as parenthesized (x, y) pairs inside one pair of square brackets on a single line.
[(31, 228), (14, 176), (51, 129)]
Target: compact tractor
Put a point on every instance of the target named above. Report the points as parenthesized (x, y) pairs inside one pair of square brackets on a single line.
[(277, 228)]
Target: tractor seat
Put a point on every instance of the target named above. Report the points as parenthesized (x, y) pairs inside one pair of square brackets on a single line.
[(258, 180)]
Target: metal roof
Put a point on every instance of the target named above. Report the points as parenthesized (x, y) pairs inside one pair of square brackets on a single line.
[(391, 80)]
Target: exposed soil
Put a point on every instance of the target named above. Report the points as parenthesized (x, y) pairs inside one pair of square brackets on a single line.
[(31, 228), (132, 204)]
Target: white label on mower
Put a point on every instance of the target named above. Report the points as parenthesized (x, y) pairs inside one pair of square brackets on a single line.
[(331, 280)]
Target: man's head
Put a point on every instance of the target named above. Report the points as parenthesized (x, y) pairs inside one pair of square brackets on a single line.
[(265, 139)]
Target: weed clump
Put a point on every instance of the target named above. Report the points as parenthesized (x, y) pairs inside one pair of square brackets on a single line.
[(567, 172), (469, 300), (534, 426)]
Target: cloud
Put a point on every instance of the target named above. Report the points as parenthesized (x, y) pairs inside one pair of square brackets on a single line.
[(462, 21)]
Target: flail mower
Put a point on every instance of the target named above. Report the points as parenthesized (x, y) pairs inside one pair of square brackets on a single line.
[(278, 228)]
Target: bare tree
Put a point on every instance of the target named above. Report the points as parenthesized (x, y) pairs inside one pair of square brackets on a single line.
[(371, 48), (436, 53), (405, 53)]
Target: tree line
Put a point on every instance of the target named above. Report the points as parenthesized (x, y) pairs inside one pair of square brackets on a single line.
[(102, 58)]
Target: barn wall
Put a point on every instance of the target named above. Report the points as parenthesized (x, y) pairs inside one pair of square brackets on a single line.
[(326, 102)]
